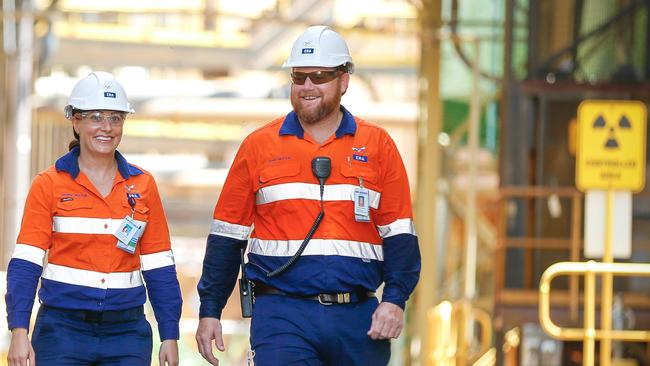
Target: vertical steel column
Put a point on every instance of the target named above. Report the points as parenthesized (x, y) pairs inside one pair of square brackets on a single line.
[(471, 249), (429, 154), (17, 148)]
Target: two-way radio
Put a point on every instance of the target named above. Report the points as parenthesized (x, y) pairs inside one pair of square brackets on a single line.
[(321, 167)]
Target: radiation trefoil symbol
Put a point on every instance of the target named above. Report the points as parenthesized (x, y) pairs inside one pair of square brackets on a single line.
[(612, 141), (610, 152)]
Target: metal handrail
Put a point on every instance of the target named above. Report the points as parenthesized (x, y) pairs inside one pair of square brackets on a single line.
[(450, 339), (589, 334)]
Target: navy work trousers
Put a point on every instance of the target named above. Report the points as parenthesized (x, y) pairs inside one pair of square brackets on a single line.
[(62, 339), (292, 331)]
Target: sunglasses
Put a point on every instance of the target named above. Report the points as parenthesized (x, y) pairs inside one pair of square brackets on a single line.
[(316, 77)]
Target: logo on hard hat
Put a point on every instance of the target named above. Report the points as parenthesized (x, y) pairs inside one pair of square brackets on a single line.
[(110, 95), (307, 51)]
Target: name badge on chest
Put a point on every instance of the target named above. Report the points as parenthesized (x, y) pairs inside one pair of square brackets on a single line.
[(129, 232), (361, 199), (127, 235)]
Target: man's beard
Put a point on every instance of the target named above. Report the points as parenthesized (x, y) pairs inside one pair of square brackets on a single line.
[(313, 115)]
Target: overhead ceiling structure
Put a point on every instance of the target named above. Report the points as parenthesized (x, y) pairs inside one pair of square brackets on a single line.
[(218, 36)]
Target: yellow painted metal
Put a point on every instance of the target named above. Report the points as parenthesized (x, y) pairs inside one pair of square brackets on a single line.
[(589, 344), (440, 339), (451, 335), (589, 334), (489, 358), (611, 145), (429, 163), (608, 285), (510, 347)]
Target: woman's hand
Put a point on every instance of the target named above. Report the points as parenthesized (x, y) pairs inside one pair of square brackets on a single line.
[(21, 352), (168, 355)]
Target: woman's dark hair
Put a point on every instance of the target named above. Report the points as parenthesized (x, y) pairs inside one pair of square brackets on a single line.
[(74, 143)]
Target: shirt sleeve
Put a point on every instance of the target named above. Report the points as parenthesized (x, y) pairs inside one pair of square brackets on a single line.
[(231, 226), (401, 265), (26, 264), (159, 268)]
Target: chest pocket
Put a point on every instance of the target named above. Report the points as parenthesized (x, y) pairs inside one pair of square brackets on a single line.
[(73, 207), (276, 172), (364, 171), (141, 210)]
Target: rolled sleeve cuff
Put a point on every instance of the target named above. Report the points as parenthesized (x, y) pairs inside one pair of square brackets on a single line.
[(169, 330)]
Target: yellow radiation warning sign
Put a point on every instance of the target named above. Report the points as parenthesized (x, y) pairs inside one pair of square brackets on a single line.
[(611, 145)]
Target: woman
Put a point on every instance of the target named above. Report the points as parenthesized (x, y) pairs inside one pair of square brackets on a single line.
[(101, 223)]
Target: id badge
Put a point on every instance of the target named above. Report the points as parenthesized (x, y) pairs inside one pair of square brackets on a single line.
[(127, 229), (361, 205), (130, 246)]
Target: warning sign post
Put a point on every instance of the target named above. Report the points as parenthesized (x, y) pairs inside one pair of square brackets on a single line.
[(611, 145), (610, 158)]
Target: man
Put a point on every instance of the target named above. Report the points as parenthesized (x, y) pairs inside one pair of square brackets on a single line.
[(314, 299)]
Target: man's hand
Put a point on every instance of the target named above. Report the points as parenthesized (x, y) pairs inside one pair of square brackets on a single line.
[(209, 329), (20, 352), (168, 353), (387, 321)]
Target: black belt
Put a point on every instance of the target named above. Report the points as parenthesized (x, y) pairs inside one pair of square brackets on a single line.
[(325, 299), (90, 316)]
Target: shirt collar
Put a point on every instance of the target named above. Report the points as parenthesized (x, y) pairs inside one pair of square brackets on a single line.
[(291, 125), (70, 163)]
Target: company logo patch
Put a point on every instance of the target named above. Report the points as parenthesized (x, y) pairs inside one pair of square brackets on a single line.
[(360, 158), (66, 199), (307, 51), (359, 149), (110, 95)]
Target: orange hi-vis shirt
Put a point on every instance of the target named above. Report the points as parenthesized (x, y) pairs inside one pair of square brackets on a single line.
[(68, 221), (271, 199)]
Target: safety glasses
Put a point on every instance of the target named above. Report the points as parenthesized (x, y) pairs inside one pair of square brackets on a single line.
[(316, 77), (114, 118)]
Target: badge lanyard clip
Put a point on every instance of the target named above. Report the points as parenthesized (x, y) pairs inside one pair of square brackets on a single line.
[(131, 201)]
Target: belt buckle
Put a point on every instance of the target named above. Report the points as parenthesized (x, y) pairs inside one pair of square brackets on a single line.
[(322, 301), (343, 298)]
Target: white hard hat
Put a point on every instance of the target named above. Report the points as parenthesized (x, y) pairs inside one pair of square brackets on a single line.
[(320, 46), (97, 91)]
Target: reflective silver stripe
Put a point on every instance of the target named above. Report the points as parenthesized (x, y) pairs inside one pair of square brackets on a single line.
[(157, 260), (332, 192), (345, 248), (234, 231), (29, 253), (401, 226), (86, 225), (73, 276)]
